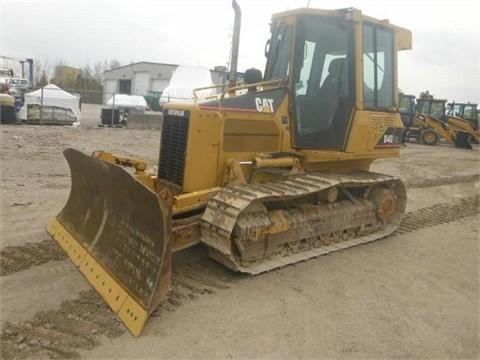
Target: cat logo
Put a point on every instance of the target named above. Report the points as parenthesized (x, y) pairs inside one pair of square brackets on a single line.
[(264, 105)]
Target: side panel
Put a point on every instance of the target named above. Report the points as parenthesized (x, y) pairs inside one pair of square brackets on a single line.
[(368, 131), (203, 151), (247, 135), (232, 128)]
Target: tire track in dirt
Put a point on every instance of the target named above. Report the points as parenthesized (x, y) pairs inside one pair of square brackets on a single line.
[(437, 214), (446, 180), (17, 258), (79, 324)]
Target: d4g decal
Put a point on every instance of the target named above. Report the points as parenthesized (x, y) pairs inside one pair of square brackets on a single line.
[(391, 138)]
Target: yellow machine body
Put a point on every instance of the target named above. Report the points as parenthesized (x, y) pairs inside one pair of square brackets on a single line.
[(289, 152), (7, 109), (463, 117), (467, 111)]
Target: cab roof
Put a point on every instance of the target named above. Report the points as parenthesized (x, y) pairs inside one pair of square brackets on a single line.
[(404, 36)]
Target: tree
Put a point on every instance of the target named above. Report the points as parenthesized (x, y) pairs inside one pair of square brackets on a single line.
[(113, 64), (41, 72), (98, 69), (42, 80)]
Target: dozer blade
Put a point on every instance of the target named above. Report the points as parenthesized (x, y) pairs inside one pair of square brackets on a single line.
[(116, 231)]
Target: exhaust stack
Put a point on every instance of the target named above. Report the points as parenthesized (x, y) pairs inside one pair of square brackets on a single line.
[(30, 71), (235, 44)]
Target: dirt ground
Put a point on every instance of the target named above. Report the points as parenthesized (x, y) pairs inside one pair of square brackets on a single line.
[(414, 294)]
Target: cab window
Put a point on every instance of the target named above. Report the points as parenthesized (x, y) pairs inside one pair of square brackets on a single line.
[(323, 82), (378, 64), (280, 53)]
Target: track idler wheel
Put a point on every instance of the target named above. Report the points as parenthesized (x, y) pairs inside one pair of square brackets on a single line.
[(384, 200)]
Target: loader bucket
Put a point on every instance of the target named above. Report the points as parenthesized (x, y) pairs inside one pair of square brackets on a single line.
[(116, 231)]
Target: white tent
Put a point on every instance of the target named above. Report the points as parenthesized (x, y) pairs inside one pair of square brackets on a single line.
[(184, 80), (52, 96), (136, 102)]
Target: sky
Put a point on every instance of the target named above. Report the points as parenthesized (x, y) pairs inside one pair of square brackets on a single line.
[(445, 58)]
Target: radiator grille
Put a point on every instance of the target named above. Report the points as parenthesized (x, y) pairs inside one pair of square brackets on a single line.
[(173, 148)]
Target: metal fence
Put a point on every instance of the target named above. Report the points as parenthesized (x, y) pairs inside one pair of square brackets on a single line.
[(53, 105), (88, 96)]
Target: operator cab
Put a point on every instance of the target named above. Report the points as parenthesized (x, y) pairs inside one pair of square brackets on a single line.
[(433, 107), (406, 107), (314, 52), (464, 111)]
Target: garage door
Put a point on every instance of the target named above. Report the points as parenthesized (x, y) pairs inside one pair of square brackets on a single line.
[(141, 83)]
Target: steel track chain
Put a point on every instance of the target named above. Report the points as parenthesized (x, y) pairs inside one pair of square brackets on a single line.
[(22, 257)]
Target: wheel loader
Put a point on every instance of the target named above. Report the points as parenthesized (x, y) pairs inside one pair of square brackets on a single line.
[(465, 116), (431, 123), (406, 107), (466, 111), (427, 122), (264, 174)]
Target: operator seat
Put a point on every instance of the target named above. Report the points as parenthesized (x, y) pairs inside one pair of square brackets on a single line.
[(318, 110), (332, 90), (333, 84)]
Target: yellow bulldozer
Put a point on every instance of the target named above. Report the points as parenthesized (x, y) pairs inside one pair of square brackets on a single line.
[(264, 174)]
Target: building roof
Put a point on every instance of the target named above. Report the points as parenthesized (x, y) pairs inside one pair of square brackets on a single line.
[(140, 62)]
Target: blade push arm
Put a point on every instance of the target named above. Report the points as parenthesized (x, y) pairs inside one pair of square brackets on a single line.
[(139, 165)]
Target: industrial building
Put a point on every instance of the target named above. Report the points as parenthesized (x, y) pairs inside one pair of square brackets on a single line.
[(147, 78)]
